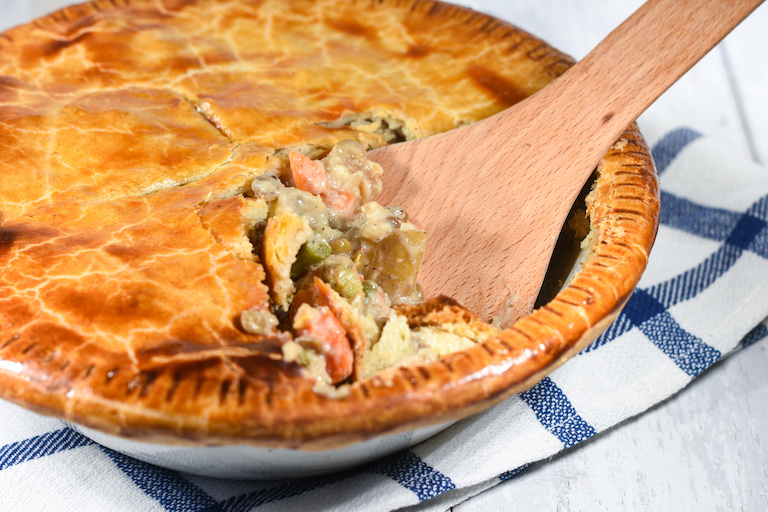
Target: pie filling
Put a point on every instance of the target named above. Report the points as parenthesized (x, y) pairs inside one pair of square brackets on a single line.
[(338, 265)]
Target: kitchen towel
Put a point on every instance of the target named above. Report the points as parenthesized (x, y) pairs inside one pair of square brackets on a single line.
[(702, 297)]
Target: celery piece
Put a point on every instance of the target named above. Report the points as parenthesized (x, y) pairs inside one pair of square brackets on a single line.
[(343, 277), (310, 254), (348, 282)]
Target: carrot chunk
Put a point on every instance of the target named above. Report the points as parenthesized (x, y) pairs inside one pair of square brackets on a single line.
[(308, 175), (321, 324), (340, 201)]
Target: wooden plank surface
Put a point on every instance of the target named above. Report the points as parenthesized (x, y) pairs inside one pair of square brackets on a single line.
[(706, 448)]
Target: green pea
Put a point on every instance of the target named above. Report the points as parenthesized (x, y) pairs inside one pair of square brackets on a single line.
[(369, 286), (341, 246)]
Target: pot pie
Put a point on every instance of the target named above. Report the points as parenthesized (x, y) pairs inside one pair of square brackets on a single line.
[(190, 246)]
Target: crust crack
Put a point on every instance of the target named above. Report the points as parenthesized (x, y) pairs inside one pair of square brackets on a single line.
[(209, 119)]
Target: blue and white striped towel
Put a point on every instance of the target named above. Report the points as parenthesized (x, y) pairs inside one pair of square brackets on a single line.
[(702, 297)]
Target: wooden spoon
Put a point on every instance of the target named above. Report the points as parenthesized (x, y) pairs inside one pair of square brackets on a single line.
[(494, 195)]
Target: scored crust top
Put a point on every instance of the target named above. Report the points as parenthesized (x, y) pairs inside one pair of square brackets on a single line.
[(129, 131)]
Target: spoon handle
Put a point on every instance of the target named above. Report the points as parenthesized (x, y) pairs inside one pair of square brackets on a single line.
[(653, 48)]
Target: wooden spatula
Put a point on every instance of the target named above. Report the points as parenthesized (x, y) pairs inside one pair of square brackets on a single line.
[(493, 196)]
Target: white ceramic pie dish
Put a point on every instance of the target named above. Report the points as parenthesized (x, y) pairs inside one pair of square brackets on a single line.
[(243, 462)]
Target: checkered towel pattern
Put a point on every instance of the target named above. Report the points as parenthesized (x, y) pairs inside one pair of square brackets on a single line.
[(702, 297)]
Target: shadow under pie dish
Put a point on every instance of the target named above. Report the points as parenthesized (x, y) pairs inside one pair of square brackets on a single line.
[(132, 237)]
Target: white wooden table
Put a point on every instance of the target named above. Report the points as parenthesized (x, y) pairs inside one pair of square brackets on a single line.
[(706, 448)]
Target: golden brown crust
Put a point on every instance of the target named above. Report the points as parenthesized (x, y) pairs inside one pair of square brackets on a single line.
[(231, 220), (122, 126)]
